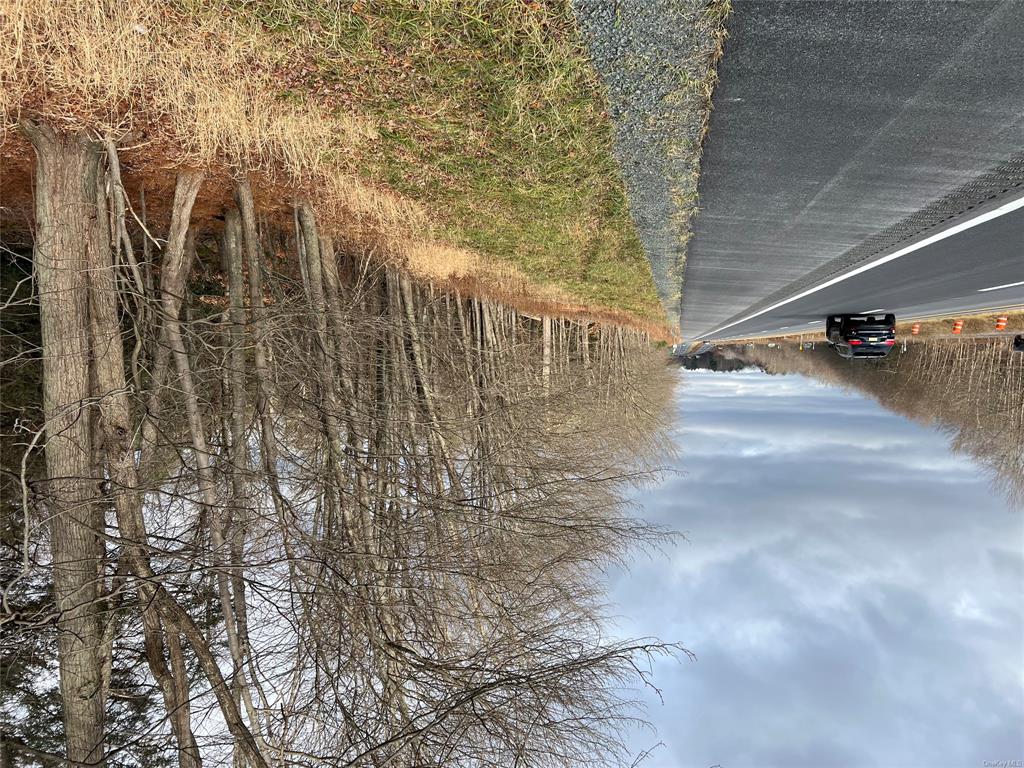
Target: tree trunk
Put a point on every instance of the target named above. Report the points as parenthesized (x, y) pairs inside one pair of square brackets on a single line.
[(547, 352), (173, 280), (585, 343), (64, 209), (114, 427), (237, 617), (177, 262)]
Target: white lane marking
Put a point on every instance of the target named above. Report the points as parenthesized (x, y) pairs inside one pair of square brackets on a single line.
[(813, 322), (872, 311), (961, 227), (997, 287)]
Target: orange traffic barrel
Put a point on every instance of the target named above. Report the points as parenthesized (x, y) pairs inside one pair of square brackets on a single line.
[(1000, 323), (958, 325), (915, 329)]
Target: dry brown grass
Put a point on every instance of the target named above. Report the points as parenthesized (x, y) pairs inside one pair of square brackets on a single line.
[(198, 87), (123, 67), (463, 270), (192, 84)]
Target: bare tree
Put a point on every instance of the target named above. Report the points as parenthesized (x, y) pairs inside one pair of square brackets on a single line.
[(66, 170), (356, 519), (972, 388)]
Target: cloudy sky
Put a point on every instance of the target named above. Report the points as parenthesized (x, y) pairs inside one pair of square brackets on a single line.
[(853, 591)]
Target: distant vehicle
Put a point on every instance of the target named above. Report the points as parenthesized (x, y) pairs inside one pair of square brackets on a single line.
[(858, 337)]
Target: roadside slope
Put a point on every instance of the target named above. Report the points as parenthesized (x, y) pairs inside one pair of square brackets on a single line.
[(468, 143)]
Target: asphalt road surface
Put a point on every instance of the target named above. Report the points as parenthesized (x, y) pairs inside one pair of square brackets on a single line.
[(843, 132), (973, 262)]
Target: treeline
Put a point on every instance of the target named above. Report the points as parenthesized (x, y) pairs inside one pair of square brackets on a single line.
[(276, 504), (971, 388)]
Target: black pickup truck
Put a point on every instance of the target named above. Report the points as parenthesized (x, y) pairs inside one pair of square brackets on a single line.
[(861, 337)]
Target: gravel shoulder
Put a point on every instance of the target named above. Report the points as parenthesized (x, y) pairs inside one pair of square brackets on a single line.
[(657, 62)]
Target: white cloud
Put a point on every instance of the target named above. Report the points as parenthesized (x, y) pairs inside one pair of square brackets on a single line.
[(848, 585)]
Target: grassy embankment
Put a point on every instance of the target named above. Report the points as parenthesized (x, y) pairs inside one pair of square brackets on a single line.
[(468, 140)]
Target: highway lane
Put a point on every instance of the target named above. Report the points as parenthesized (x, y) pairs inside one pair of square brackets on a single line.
[(840, 130), (971, 263)]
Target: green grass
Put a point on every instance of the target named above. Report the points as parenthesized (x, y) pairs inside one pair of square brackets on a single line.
[(490, 116)]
